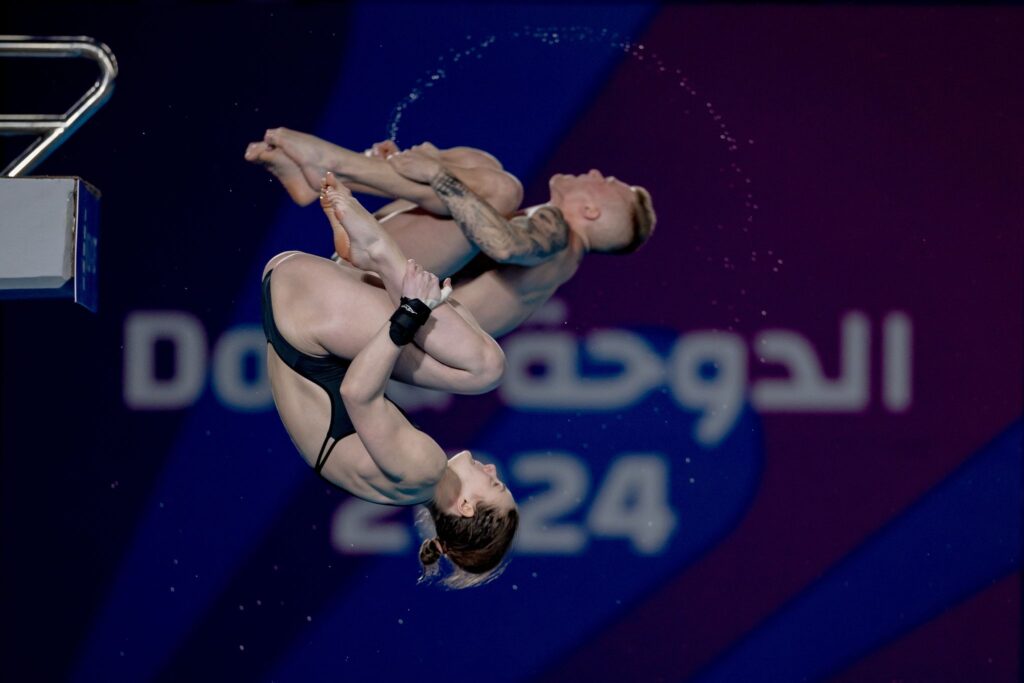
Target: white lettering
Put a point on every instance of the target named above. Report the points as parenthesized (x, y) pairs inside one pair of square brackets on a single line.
[(706, 370), (633, 503), (896, 342), (567, 480), (360, 527), (229, 380), (560, 385), (806, 389), (143, 390), (720, 397)]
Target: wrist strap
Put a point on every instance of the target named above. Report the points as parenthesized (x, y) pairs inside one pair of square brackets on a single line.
[(406, 319)]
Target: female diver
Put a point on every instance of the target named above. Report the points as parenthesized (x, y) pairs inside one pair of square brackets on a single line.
[(333, 349)]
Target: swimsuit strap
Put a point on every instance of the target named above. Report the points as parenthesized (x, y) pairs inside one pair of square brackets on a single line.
[(321, 458)]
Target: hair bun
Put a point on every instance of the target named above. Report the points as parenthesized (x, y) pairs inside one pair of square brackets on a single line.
[(430, 551)]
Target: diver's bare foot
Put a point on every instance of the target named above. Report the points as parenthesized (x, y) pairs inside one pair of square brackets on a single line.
[(358, 233), (335, 206), (313, 156), (284, 169)]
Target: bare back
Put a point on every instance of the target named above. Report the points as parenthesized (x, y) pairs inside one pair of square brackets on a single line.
[(303, 310), (324, 308)]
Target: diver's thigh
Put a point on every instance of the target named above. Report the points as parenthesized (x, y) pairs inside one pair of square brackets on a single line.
[(437, 244)]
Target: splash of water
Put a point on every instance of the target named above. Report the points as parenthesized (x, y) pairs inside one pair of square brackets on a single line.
[(447, 67), (550, 35)]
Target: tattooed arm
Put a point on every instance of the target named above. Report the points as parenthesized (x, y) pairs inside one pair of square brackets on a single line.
[(522, 240)]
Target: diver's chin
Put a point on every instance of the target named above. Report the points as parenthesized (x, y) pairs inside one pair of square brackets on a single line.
[(457, 457)]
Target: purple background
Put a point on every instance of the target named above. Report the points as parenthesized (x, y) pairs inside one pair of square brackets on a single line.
[(882, 148)]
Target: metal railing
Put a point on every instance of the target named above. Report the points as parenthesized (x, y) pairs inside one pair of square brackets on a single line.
[(54, 130)]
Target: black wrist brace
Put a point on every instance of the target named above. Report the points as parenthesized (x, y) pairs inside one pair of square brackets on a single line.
[(406, 319)]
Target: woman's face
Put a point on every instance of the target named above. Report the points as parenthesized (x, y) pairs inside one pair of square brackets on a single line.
[(480, 483)]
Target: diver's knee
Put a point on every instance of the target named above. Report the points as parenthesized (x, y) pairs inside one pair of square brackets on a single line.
[(470, 157), (504, 192), (492, 365), (276, 261)]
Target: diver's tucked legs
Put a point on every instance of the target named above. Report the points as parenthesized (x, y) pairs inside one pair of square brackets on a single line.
[(450, 336), (321, 307), (372, 174), (315, 156)]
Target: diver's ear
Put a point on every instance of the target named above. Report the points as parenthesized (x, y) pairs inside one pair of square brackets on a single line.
[(591, 212), (466, 508)]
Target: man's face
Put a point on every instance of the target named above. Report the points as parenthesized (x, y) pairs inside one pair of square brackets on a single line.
[(600, 190), (602, 207)]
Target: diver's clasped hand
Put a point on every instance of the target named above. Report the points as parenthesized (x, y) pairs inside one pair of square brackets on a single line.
[(423, 285), (421, 293)]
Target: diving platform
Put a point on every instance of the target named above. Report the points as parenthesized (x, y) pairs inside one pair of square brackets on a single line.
[(49, 234), (49, 226)]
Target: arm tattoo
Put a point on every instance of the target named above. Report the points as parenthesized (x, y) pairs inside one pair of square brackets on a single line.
[(523, 240)]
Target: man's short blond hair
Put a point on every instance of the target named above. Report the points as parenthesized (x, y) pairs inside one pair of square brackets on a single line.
[(642, 223)]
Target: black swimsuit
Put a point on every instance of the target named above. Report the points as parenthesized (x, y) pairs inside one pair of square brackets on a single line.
[(326, 372)]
